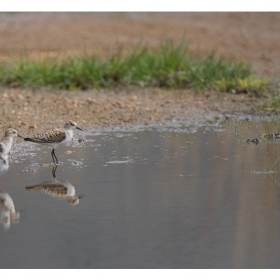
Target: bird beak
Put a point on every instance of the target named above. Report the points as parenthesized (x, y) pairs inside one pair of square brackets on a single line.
[(20, 136), (79, 128)]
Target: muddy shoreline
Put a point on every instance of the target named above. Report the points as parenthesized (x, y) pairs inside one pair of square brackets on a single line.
[(34, 111)]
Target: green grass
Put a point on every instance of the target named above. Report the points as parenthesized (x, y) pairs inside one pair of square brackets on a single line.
[(170, 67), (271, 103)]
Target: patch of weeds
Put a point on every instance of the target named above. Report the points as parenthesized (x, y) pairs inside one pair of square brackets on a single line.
[(272, 102), (172, 66), (242, 85)]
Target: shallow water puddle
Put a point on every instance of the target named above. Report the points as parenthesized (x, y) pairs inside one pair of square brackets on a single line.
[(199, 197)]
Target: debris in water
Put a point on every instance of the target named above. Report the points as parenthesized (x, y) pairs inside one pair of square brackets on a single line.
[(263, 172), (120, 161), (31, 169), (46, 164), (272, 135), (254, 141), (75, 162)]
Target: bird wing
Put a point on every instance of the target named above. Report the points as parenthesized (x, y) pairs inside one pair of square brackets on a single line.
[(48, 137)]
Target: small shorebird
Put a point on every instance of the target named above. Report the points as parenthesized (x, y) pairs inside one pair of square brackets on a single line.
[(55, 137), (57, 188), (7, 141)]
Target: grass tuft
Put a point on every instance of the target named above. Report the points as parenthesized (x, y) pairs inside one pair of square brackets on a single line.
[(170, 67), (271, 103)]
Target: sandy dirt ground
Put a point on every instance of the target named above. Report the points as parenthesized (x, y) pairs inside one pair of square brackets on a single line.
[(253, 38)]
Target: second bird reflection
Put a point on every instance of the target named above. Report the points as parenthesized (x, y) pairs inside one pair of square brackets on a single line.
[(57, 188), (8, 214)]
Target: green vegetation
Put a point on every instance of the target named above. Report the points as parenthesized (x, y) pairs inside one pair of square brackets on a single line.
[(171, 67), (272, 102)]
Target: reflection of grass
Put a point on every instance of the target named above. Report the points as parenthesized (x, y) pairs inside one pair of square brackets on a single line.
[(272, 172), (171, 67), (272, 169)]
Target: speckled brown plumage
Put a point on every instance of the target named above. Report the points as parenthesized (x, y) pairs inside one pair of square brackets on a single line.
[(48, 137)]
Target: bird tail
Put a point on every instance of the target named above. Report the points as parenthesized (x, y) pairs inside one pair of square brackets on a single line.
[(32, 140), (28, 139), (30, 188)]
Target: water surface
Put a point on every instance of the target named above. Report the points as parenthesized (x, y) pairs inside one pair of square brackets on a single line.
[(189, 197)]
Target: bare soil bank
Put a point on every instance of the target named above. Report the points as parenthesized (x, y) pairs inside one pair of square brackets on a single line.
[(33, 112)]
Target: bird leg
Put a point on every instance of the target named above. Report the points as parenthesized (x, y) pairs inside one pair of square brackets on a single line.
[(54, 170), (55, 161)]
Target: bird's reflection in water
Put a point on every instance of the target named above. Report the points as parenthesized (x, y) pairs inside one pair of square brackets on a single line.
[(4, 164), (8, 213), (57, 188)]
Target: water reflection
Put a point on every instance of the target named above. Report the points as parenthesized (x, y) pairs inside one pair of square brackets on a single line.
[(4, 164), (201, 200), (57, 188), (8, 213)]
